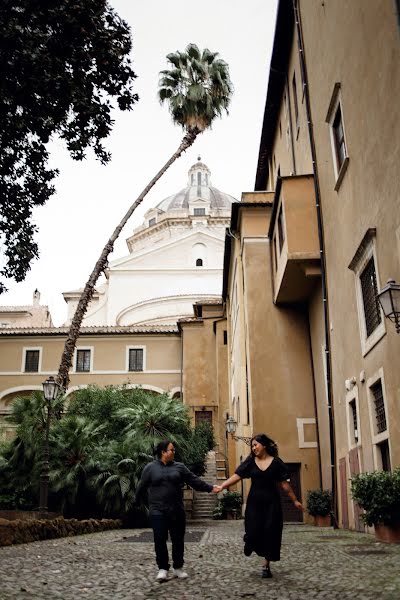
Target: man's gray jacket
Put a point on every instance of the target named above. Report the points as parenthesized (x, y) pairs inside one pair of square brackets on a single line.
[(164, 483)]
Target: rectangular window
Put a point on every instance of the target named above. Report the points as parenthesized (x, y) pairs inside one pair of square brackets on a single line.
[(199, 211), (32, 361), (337, 133), (354, 422), (379, 406), (281, 229), (152, 221), (135, 359), (383, 449), (225, 337), (369, 290), (296, 106), (82, 361), (338, 137)]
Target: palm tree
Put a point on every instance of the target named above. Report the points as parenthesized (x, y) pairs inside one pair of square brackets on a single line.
[(155, 418), (74, 442), (197, 89), (118, 468)]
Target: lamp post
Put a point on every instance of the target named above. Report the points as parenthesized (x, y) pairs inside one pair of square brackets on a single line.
[(50, 391), (230, 426), (389, 298)]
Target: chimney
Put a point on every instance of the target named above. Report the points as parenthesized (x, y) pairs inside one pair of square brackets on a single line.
[(36, 298)]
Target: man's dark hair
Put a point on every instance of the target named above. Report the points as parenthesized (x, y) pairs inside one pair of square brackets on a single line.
[(161, 447)]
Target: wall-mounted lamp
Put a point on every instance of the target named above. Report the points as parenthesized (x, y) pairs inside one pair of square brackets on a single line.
[(389, 298), (230, 426)]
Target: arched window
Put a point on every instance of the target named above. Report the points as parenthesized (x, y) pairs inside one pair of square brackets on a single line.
[(198, 178), (199, 254)]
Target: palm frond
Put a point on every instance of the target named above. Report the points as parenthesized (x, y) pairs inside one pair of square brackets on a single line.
[(199, 87)]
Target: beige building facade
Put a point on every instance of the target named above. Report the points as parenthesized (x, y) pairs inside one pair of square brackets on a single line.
[(329, 156), (149, 357)]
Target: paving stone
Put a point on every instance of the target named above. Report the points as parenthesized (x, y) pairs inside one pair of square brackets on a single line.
[(314, 564)]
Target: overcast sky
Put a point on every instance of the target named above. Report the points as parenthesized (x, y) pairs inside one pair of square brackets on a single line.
[(90, 199)]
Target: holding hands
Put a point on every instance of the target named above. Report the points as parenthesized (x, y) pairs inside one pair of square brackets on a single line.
[(216, 489)]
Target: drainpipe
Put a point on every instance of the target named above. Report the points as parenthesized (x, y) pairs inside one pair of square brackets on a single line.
[(182, 364), (317, 191)]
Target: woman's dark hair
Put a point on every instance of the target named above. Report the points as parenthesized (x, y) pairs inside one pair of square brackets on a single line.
[(161, 447), (268, 444)]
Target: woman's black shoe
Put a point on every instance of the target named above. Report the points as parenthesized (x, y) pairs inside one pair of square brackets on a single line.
[(266, 573)]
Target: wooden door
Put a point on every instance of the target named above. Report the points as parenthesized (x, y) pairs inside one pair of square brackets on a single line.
[(343, 493), (354, 470), (290, 513)]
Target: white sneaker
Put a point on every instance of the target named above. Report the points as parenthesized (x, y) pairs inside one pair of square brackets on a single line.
[(162, 575), (180, 573)]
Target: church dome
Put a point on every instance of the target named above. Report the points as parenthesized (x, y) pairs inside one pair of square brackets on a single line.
[(199, 187)]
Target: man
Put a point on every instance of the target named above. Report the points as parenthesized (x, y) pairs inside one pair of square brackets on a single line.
[(164, 479)]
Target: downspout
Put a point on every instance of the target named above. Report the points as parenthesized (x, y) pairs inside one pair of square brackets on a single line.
[(317, 191), (182, 364)]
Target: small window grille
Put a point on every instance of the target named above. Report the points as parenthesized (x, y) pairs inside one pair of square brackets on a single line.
[(353, 409), (31, 361), (82, 361), (379, 406), (296, 106), (338, 134), (199, 211), (275, 253), (369, 290), (136, 359), (281, 230)]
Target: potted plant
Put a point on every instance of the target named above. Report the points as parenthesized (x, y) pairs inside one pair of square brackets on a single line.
[(228, 506), (319, 505), (378, 494)]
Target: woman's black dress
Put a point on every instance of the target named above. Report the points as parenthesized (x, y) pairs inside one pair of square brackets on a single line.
[(263, 517)]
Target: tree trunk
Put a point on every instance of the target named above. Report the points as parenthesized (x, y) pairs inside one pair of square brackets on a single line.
[(87, 294)]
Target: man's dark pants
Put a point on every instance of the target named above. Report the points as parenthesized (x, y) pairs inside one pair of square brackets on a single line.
[(175, 524)]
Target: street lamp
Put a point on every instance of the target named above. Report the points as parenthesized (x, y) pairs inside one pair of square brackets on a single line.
[(50, 391), (230, 426), (389, 298)]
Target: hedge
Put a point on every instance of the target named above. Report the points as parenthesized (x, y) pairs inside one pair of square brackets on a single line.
[(21, 532)]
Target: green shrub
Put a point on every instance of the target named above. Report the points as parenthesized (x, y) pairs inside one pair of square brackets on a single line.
[(230, 502), (319, 502), (378, 493)]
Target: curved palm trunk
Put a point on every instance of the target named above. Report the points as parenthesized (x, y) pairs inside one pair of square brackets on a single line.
[(87, 294)]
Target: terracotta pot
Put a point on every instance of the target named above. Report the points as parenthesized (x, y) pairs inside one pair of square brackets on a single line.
[(322, 521), (388, 533)]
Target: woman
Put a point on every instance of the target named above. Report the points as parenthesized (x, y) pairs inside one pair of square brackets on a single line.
[(263, 518)]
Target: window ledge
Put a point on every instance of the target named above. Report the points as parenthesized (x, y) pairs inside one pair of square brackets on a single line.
[(341, 173), (373, 339)]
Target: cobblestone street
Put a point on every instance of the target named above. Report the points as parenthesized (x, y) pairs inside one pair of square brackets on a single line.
[(119, 565)]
